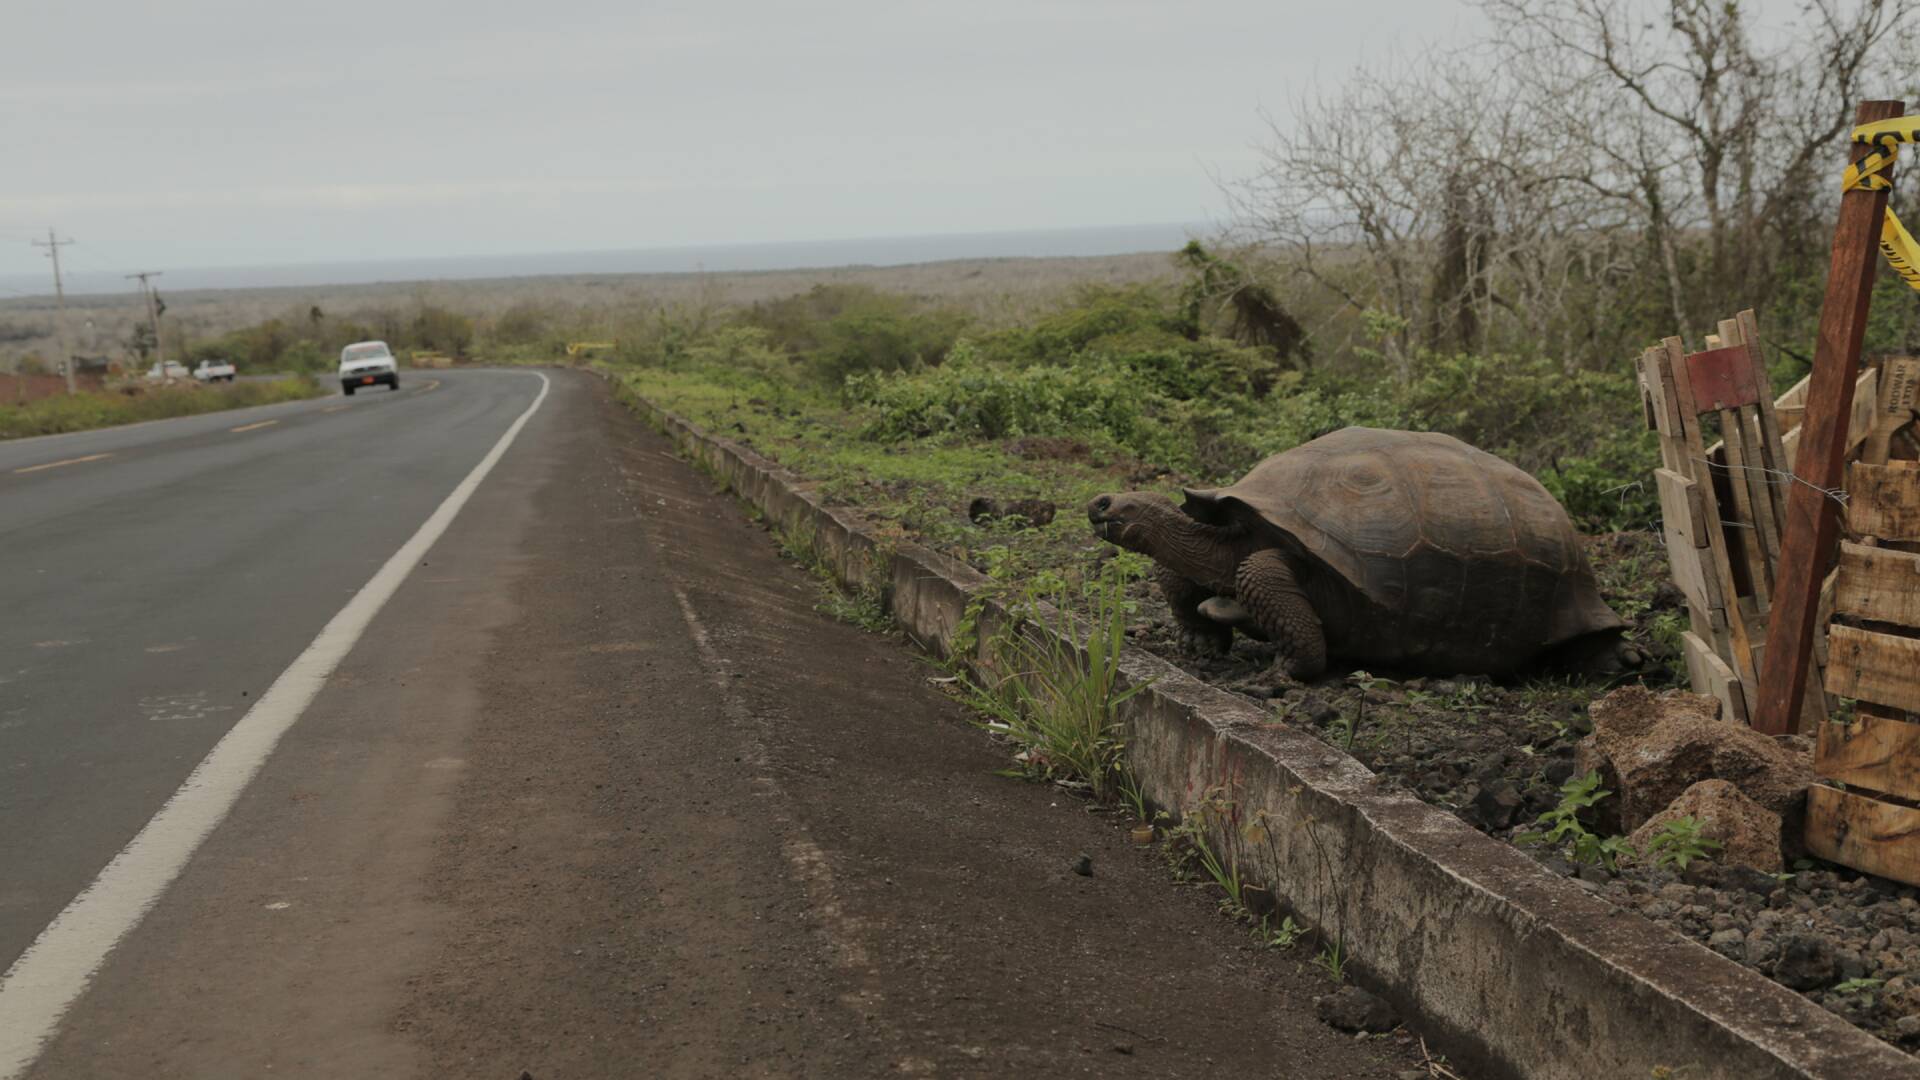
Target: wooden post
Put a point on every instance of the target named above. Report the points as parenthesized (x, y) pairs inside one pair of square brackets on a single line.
[(1812, 518)]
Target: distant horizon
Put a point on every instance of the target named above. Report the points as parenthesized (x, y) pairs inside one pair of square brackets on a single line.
[(898, 250)]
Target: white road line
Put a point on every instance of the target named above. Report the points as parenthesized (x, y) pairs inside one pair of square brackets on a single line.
[(58, 464), (37, 990), (252, 427)]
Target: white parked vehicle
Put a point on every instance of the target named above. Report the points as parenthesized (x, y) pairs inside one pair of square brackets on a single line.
[(365, 363), (214, 371), (172, 369)]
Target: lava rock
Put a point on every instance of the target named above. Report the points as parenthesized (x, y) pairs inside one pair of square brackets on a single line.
[(1748, 833), (1650, 748), (1807, 962), (1494, 807), (1747, 879), (1353, 1009), (1314, 709)]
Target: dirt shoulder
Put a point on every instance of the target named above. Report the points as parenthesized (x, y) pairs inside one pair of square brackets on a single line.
[(706, 831)]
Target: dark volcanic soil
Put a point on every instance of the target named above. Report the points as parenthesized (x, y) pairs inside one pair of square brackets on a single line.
[(1496, 756)]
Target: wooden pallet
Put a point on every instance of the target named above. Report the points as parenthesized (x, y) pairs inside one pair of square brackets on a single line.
[(1874, 658), (1722, 505)]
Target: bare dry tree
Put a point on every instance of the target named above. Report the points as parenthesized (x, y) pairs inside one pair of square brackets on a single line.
[(1589, 165)]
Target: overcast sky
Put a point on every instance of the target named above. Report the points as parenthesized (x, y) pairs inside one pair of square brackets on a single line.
[(231, 132)]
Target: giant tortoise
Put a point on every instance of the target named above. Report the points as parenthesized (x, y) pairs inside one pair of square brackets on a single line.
[(1399, 550)]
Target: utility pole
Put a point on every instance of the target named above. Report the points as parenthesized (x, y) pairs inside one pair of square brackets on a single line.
[(53, 244), (153, 318)]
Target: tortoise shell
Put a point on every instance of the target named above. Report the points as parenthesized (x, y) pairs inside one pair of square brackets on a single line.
[(1452, 558)]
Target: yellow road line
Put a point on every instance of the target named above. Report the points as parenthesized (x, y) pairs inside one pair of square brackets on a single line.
[(57, 464), (252, 427), (335, 408)]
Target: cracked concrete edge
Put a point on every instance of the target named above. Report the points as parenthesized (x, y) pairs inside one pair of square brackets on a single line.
[(1517, 971)]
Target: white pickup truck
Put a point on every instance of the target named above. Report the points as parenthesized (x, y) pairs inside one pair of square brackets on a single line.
[(211, 371), (365, 363)]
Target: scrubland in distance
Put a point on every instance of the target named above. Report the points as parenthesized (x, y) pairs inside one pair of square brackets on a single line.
[(81, 412)]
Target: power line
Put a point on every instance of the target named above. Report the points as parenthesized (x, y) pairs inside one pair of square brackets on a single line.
[(53, 244)]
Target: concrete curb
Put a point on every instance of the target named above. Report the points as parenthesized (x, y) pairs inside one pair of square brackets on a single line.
[(1520, 972)]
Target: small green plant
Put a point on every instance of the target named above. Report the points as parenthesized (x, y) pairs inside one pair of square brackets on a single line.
[(1565, 830), (1284, 936), (1333, 960), (1863, 987), (1679, 843), (1346, 728), (863, 607), (1131, 795), (1188, 843)]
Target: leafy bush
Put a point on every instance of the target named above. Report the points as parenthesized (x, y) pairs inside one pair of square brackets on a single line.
[(967, 397), (1096, 312), (306, 358), (842, 330)]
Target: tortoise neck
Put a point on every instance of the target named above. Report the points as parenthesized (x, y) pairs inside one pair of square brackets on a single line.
[(1207, 554)]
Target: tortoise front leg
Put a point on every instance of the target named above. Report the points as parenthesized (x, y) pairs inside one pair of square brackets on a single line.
[(1276, 602), (1184, 597)]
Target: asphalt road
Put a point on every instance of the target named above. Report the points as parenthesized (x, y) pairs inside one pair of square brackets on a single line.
[(156, 577), (598, 792)]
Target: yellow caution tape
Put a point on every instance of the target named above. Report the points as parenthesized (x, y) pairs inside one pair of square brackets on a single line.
[(1869, 174)]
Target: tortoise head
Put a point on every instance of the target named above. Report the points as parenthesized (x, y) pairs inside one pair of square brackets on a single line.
[(1136, 520)]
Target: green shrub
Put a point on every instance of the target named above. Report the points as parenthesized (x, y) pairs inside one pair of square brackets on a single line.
[(307, 358), (970, 398)]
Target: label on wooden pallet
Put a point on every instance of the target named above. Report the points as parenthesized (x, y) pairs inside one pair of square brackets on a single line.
[(1870, 666), (1878, 585), (1872, 752), (1866, 834), (1883, 503), (1722, 379)]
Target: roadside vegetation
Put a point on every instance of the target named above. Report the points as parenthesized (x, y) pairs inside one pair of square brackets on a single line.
[(109, 408)]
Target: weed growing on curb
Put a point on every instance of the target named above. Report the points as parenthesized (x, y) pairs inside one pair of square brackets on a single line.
[(1188, 843), (864, 606), (1333, 960), (1131, 794), (1059, 690), (1280, 937)]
